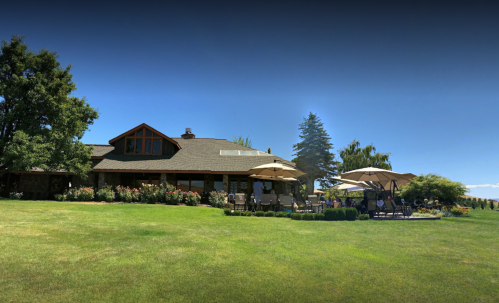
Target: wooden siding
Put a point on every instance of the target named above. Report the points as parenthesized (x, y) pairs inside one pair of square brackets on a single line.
[(168, 148), (119, 146)]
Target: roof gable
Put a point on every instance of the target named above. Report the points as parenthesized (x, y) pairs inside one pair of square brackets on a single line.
[(133, 130)]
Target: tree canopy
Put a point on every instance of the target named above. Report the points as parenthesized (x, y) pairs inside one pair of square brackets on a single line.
[(432, 186), (41, 122), (313, 153), (354, 157), (241, 141)]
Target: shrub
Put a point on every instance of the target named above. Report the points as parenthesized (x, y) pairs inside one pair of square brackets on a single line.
[(248, 213), (227, 211), (459, 211), (289, 215), (172, 197), (193, 199), (341, 214), (85, 194), (363, 217), (319, 217), (351, 214), (237, 213), (270, 214), (492, 204), (149, 193), (217, 199), (124, 194), (105, 194), (60, 197), (15, 195), (260, 213), (135, 195), (282, 214), (308, 216), (72, 194), (330, 214), (295, 216)]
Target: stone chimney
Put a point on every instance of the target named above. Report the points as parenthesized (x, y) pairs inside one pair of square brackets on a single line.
[(188, 134)]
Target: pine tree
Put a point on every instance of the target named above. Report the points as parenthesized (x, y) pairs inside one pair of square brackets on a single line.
[(314, 155)]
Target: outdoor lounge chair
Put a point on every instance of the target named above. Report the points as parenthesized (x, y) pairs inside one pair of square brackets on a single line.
[(240, 201), (372, 207), (274, 203), (337, 205), (286, 202), (313, 201), (396, 208), (266, 201)]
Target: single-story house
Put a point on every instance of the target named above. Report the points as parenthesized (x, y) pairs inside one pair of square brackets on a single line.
[(145, 155)]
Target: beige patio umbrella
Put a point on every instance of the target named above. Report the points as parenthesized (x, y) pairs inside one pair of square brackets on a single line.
[(371, 174), (349, 187), (276, 170), (351, 182), (272, 178)]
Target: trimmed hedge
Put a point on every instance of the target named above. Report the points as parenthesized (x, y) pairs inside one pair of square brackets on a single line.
[(282, 214), (227, 211), (319, 217), (260, 213), (270, 214), (308, 216), (364, 217), (237, 213), (351, 214), (341, 214), (248, 213), (295, 216), (334, 214)]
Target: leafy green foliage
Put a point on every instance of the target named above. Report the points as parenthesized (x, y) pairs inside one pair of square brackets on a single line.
[(227, 211), (351, 214), (260, 213), (492, 206), (217, 199), (281, 214), (433, 186), (308, 217), (193, 199), (320, 217), (363, 217), (270, 214), (354, 157), (105, 194), (241, 141), (60, 197), (236, 213), (296, 216), (41, 123), (313, 153), (248, 213), (341, 214), (149, 193)]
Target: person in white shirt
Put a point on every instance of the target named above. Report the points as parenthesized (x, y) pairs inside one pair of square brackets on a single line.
[(257, 189)]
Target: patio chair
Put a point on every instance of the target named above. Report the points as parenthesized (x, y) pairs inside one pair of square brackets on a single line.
[(240, 201), (266, 201), (396, 208), (372, 207), (286, 202), (313, 201), (337, 205), (230, 202)]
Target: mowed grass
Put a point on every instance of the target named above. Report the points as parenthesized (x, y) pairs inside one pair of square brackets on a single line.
[(77, 252)]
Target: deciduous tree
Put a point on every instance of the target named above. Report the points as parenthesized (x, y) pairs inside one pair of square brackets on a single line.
[(41, 122), (433, 186), (241, 141), (354, 157)]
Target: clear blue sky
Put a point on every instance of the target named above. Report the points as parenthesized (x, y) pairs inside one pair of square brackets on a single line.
[(419, 81)]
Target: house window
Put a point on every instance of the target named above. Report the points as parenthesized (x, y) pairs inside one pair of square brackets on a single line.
[(143, 142)]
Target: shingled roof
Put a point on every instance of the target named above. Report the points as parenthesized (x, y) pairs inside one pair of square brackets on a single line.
[(202, 155)]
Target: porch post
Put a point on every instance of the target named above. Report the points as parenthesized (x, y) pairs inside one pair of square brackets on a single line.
[(226, 183), (102, 180)]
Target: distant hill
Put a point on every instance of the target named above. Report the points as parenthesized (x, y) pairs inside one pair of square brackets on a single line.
[(471, 197)]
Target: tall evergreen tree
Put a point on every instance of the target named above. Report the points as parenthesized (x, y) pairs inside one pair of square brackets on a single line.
[(41, 123), (355, 157), (313, 153)]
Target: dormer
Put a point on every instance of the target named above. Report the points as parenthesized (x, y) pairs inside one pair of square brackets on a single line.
[(144, 140)]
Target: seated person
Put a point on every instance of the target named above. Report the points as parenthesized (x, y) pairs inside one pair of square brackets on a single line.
[(380, 203), (329, 203), (322, 198)]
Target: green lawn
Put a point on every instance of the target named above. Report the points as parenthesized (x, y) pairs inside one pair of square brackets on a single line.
[(63, 251)]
